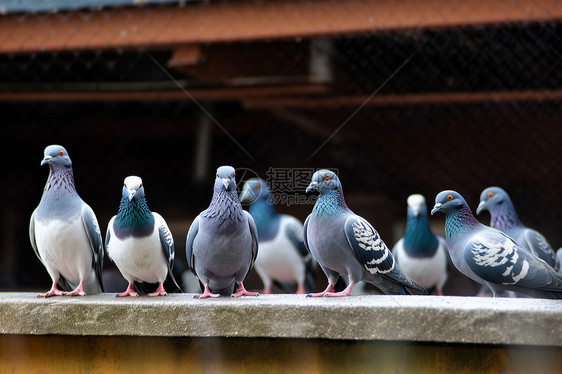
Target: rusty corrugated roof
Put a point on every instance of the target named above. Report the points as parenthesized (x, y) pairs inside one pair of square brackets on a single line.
[(50, 6)]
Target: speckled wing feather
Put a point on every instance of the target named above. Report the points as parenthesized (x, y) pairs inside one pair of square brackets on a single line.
[(372, 253), (496, 258)]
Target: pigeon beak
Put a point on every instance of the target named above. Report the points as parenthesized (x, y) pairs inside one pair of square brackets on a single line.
[(436, 208), (226, 182), (311, 187), (46, 159), (416, 210), (132, 194), (481, 207)]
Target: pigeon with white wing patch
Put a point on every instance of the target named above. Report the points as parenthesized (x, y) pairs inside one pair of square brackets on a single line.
[(344, 243), (491, 257), (503, 217)]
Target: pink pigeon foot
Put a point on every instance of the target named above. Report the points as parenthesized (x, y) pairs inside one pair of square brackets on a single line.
[(438, 292), (267, 291), (54, 291), (328, 289), (241, 291), (159, 291), (345, 292), (206, 293), (300, 290), (79, 291), (130, 291)]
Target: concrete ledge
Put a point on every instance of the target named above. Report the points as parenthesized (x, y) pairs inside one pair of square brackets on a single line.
[(397, 318)]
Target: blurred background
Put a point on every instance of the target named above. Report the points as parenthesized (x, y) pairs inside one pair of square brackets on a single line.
[(400, 97)]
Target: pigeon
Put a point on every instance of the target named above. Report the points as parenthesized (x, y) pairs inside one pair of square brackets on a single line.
[(505, 218), (139, 242), (491, 257), (283, 256), (421, 254), (222, 242), (346, 244), (64, 232)]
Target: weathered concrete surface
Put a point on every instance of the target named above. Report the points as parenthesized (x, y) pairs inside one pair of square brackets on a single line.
[(397, 318)]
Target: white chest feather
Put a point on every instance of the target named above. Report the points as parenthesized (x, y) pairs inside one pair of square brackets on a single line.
[(278, 258), (64, 248), (139, 259), (427, 271)]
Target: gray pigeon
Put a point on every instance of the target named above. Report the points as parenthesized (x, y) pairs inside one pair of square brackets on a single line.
[(491, 257), (503, 217), (64, 232), (139, 242), (344, 243), (421, 254), (222, 242), (283, 256)]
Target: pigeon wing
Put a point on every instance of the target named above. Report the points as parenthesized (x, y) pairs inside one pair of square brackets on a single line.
[(304, 234), (372, 253), (32, 235), (540, 246), (94, 236), (254, 232), (167, 243), (294, 232), (191, 234), (496, 258)]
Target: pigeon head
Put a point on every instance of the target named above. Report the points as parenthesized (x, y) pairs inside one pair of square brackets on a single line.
[(448, 201), (225, 179), (416, 205), (491, 198), (133, 188), (323, 181), (55, 156), (254, 189)]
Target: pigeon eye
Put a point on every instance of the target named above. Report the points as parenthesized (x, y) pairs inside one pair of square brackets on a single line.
[(217, 175), (61, 153), (327, 177), (449, 197), (490, 194), (233, 175)]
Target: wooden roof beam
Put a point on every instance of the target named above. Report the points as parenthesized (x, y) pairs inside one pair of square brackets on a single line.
[(209, 94), (401, 99)]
